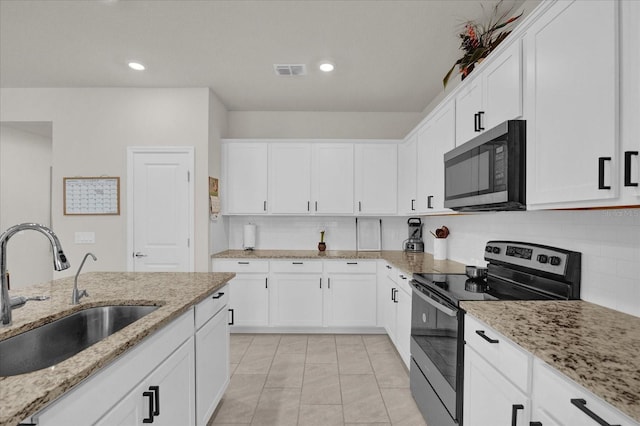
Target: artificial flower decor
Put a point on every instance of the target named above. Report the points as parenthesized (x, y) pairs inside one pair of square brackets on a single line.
[(478, 40)]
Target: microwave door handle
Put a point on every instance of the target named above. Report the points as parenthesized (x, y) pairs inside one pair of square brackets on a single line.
[(438, 306)]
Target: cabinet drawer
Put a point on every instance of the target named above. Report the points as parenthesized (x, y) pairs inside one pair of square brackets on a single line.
[(497, 350), (553, 394), (296, 266), (211, 305), (240, 265), (391, 272), (350, 266), (403, 281)]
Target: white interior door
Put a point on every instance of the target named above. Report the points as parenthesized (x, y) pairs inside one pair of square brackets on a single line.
[(160, 195)]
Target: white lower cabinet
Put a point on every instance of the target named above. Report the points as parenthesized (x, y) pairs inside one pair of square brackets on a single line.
[(296, 293), (249, 300), (503, 384), (489, 397), (212, 365), (350, 295), (174, 377), (165, 397)]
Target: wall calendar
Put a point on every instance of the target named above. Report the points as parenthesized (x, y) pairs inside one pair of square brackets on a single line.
[(92, 196)]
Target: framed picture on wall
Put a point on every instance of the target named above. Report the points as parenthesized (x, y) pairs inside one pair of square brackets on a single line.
[(91, 195)]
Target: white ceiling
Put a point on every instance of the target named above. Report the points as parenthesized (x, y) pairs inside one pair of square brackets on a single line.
[(390, 55)]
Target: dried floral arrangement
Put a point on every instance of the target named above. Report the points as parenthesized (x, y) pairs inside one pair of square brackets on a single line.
[(480, 39)]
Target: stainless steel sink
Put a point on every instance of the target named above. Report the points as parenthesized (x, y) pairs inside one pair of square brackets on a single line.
[(52, 343)]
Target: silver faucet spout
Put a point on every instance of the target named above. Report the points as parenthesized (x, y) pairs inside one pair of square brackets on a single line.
[(60, 263), (76, 295)]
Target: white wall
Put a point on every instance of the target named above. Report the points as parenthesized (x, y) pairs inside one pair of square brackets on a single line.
[(25, 162), (321, 124), (91, 130), (609, 241)]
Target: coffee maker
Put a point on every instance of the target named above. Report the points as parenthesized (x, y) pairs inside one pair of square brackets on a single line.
[(414, 243)]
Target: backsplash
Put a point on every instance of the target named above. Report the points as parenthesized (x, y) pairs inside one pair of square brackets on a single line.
[(609, 241)]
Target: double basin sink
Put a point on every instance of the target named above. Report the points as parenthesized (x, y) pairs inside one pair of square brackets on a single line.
[(50, 344)]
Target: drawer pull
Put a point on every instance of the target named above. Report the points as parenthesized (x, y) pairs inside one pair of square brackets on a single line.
[(535, 423), (218, 296), (514, 413), (243, 263), (388, 267), (582, 406), (298, 263), (352, 263), (485, 337), (403, 277)]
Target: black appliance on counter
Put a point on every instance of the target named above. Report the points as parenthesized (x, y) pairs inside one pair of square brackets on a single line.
[(516, 271), (489, 171)]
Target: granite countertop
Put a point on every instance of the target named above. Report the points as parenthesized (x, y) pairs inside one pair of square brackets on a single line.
[(408, 262), (597, 347), (25, 394)]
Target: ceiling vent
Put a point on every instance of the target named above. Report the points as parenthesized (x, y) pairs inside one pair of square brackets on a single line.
[(290, 70)]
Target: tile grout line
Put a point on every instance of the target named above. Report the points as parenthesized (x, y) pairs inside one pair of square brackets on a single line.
[(378, 383)]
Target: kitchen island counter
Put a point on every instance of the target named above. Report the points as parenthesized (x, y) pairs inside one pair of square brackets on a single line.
[(408, 262), (596, 347), (174, 293)]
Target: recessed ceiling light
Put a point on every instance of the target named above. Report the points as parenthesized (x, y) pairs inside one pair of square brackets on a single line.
[(136, 66), (327, 66)]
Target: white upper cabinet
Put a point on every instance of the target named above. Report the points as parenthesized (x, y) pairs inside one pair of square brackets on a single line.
[(435, 138), (407, 178), (289, 178), (245, 184), (376, 178), (630, 105), (493, 95), (332, 178), (571, 105)]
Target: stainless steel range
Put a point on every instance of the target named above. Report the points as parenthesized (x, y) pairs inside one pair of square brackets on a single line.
[(516, 271)]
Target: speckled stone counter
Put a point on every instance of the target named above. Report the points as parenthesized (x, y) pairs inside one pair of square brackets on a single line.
[(407, 262), (597, 347), (175, 293)]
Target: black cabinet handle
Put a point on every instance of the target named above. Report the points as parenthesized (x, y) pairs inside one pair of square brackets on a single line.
[(429, 198), (266, 282), (243, 263), (308, 206), (627, 168), (413, 205), (485, 337), (352, 263), (218, 296), (156, 398), (601, 161), (316, 206), (476, 125), (320, 282), (480, 127), (298, 263), (388, 267), (395, 296), (535, 423), (514, 413), (232, 317), (582, 406), (359, 206), (149, 395), (328, 282)]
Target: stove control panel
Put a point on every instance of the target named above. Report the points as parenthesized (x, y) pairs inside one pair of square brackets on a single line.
[(533, 256)]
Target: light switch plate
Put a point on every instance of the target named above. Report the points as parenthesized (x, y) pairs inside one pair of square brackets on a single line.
[(85, 238)]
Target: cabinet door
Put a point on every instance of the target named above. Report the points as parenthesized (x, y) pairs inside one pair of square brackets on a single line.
[(296, 300), (489, 398), (468, 104), (407, 178), (376, 178), (390, 319), (502, 85), (630, 105), (249, 300), (332, 178), (351, 300), (403, 325), (289, 178), (166, 397), (571, 104), (212, 365), (434, 140), (246, 177)]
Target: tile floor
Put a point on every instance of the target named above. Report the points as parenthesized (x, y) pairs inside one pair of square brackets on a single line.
[(325, 380)]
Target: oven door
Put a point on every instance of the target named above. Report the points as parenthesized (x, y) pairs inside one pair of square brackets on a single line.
[(436, 347)]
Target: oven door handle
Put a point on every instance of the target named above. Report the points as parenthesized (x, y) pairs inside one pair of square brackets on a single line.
[(452, 312)]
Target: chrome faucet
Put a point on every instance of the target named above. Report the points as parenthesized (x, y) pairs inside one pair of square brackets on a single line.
[(60, 263), (76, 295)]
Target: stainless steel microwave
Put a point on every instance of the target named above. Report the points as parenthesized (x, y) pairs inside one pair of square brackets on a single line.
[(488, 172)]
